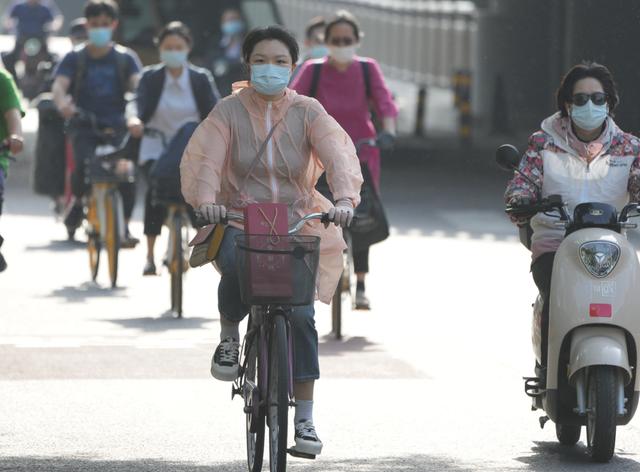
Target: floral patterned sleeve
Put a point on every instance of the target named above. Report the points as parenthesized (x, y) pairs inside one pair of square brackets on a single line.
[(531, 165), (634, 181)]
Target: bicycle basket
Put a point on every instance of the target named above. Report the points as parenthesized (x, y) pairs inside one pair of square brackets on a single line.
[(277, 270)]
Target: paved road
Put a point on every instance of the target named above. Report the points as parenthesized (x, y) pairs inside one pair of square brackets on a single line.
[(94, 379)]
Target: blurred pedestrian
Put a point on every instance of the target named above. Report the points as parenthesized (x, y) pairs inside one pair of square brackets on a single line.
[(170, 96), (95, 78), (227, 66), (347, 86), (78, 32), (314, 46), (30, 19), (53, 160), (10, 134)]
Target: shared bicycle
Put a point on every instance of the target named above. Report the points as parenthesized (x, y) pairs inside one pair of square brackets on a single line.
[(105, 222), (178, 222), (265, 380)]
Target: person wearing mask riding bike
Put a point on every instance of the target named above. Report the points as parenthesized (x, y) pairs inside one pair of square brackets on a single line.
[(10, 134), (579, 153), (346, 85), (217, 175), (170, 95), (96, 77)]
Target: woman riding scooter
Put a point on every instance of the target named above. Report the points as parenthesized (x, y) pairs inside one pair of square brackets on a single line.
[(580, 136), (578, 177)]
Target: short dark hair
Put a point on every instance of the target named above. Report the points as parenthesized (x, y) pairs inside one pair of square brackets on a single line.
[(95, 8), (277, 33), (175, 28), (578, 72), (314, 24), (343, 17)]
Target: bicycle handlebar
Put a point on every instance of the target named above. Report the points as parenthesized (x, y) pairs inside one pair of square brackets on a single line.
[(372, 142), (239, 217)]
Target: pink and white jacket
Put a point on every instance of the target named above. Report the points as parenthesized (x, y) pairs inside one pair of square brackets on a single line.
[(606, 170)]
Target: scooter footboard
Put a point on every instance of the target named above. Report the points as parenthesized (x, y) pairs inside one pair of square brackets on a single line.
[(598, 345)]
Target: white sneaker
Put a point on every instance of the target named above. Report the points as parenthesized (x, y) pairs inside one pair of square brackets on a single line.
[(307, 440), (224, 365)]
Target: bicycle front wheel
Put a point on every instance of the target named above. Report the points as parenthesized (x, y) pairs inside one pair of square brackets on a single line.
[(94, 254), (112, 233), (278, 395), (177, 265), (253, 409)]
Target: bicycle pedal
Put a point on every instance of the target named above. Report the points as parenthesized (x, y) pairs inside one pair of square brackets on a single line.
[(300, 455)]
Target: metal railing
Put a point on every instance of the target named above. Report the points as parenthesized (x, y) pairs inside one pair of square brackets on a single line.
[(425, 42)]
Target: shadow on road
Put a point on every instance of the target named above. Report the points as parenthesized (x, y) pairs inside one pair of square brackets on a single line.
[(87, 290), (410, 463), (164, 323), (547, 455), (59, 246), (329, 346)]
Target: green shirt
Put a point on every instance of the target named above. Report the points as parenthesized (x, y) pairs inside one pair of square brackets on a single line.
[(9, 99)]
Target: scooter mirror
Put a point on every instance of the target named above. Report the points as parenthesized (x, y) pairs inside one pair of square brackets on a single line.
[(508, 157)]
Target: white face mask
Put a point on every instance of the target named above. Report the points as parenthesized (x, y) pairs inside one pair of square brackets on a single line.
[(342, 55)]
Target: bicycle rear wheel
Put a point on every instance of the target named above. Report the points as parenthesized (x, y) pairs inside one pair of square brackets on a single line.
[(345, 287), (112, 233), (177, 264), (253, 410), (278, 395), (94, 246), (336, 312)]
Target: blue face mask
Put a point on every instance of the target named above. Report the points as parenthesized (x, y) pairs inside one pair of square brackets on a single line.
[(232, 27), (589, 116), (268, 79), (174, 59), (100, 37), (318, 51)]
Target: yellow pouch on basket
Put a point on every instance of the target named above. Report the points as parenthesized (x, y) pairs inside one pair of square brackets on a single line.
[(206, 245)]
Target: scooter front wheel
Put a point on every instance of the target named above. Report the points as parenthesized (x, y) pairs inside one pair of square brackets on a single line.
[(601, 412)]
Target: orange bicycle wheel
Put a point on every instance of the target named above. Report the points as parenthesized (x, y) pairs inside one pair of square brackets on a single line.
[(112, 234), (93, 243)]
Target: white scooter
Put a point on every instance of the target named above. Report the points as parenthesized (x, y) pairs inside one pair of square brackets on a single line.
[(594, 321)]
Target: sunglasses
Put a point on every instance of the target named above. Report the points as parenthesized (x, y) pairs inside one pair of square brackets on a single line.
[(341, 41), (598, 98)]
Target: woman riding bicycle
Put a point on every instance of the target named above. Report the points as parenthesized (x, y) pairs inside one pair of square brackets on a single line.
[(169, 96), (579, 153), (216, 175), (347, 85)]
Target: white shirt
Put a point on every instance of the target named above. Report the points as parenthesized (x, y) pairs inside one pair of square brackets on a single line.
[(176, 108)]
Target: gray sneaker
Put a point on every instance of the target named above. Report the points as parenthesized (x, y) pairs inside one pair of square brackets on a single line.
[(362, 301), (307, 441), (225, 362)]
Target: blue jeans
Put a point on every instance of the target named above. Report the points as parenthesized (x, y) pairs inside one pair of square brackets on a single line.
[(303, 325)]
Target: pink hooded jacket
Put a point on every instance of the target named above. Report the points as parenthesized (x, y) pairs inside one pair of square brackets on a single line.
[(306, 142)]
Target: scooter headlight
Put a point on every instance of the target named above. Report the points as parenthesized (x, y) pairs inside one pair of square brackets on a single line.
[(600, 257)]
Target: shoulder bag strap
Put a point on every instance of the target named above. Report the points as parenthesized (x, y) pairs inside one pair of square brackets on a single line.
[(315, 80), (261, 151)]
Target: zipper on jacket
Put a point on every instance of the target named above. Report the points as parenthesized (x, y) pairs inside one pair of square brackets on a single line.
[(272, 178)]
